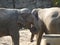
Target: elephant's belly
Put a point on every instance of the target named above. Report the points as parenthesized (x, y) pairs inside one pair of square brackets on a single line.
[(4, 32)]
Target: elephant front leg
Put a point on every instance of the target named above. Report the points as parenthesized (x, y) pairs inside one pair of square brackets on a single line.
[(32, 36), (39, 37), (15, 36)]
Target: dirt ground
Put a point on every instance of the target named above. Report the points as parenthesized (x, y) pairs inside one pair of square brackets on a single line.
[(6, 40), (24, 39)]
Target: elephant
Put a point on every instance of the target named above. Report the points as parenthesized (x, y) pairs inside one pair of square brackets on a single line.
[(41, 27), (24, 14), (8, 24), (9, 19), (49, 21)]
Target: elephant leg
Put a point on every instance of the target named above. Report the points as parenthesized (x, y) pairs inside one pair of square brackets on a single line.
[(15, 38), (14, 32), (32, 36), (39, 37)]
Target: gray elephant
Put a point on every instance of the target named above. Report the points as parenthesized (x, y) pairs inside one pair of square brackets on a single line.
[(25, 13), (9, 19), (49, 18)]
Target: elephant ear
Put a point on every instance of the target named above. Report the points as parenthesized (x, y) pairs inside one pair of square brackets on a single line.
[(35, 13)]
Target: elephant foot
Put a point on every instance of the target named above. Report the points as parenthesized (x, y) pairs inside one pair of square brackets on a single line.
[(31, 40)]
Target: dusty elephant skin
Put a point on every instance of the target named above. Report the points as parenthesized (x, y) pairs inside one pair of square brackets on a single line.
[(50, 18)]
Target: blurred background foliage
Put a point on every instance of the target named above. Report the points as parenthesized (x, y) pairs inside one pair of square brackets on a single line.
[(56, 3), (29, 3)]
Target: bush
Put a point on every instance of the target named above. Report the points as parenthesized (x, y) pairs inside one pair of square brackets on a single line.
[(56, 3)]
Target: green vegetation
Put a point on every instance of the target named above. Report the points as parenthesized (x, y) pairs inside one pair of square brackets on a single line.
[(56, 3)]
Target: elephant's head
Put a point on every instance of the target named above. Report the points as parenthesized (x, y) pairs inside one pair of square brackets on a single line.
[(25, 17)]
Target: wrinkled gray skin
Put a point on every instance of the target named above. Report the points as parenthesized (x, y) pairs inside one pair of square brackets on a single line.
[(50, 18), (9, 19)]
